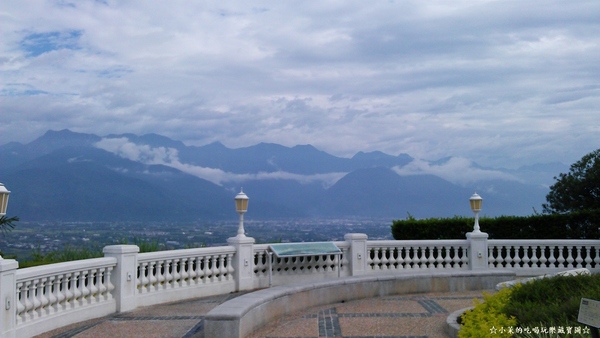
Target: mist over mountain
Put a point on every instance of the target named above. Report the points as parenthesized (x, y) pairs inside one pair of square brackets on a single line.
[(64, 175)]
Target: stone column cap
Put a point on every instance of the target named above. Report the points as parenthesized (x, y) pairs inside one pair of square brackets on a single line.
[(355, 236), (121, 249)]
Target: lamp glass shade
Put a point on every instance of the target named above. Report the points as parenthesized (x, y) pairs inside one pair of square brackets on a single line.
[(3, 199), (241, 202), (476, 202)]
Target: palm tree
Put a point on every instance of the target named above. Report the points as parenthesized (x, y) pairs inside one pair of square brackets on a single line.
[(6, 224)]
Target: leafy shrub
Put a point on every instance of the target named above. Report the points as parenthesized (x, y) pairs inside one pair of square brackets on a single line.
[(576, 225), (541, 308), (552, 300), (488, 317)]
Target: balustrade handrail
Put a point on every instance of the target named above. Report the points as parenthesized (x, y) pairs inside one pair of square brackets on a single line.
[(420, 242), (171, 254), (497, 242), (64, 267)]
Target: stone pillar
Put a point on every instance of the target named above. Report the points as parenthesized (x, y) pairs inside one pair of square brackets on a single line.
[(478, 250), (243, 262), (358, 253), (124, 276), (8, 285)]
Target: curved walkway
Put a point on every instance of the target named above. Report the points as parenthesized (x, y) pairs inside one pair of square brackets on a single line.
[(413, 315)]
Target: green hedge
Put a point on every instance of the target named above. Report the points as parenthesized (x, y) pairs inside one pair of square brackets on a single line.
[(576, 225)]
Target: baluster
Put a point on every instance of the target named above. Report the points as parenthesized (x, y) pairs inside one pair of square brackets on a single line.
[(109, 285), (222, 268), (185, 271), (543, 257), (193, 270), (101, 282), (230, 269), (35, 298), (534, 257), (588, 257), (439, 257), (432, 258), (44, 301), (258, 263), (143, 278), (424, 259), (214, 268), (344, 257), (59, 292), (176, 268), (492, 257), (21, 299), (464, 258), (525, 260), (332, 262), (202, 269), (597, 257), (400, 258), (509, 259), (376, 259), (208, 276), (28, 300), (579, 258), (561, 258), (85, 291), (369, 258), (92, 280), (69, 291), (168, 267), (570, 258), (52, 299), (446, 259), (421, 259), (157, 272), (552, 259), (384, 259)]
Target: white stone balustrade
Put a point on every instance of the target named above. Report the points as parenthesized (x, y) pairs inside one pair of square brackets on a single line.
[(538, 257), (53, 293), (42, 298), (179, 274), (417, 255)]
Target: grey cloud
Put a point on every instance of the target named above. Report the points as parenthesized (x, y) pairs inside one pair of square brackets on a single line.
[(489, 81)]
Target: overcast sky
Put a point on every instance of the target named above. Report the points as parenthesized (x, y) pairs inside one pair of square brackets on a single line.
[(502, 83)]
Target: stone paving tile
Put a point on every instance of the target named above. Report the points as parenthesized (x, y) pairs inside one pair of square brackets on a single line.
[(418, 315), (132, 328)]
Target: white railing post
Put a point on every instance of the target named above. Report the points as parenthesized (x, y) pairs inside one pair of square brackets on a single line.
[(8, 282), (478, 250), (124, 277), (243, 262), (357, 253)]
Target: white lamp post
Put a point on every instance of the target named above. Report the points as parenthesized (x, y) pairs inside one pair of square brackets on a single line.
[(476, 202), (241, 206), (3, 199)]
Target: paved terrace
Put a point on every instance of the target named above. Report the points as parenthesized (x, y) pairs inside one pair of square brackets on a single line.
[(413, 315)]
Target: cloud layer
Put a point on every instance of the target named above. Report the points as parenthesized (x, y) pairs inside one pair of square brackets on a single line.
[(499, 82), (146, 154)]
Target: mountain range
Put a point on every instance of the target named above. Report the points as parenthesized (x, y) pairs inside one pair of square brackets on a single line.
[(69, 176)]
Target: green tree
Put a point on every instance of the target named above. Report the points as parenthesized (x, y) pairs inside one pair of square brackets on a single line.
[(579, 189)]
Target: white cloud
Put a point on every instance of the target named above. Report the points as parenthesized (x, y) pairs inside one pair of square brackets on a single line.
[(169, 157), (456, 170)]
